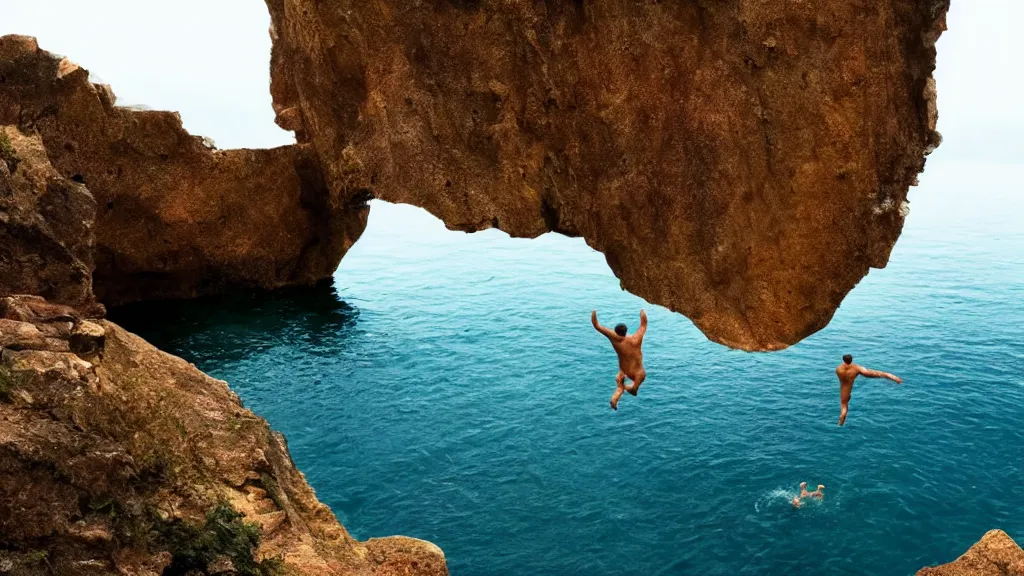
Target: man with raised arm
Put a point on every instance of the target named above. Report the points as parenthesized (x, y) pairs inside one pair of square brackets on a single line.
[(631, 357), (847, 373)]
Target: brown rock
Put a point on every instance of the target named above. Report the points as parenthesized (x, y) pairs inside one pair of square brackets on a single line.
[(400, 555), (176, 218), (996, 554), (744, 163), (290, 119), (16, 335), (13, 332), (46, 225), (45, 315), (153, 446), (270, 522), (86, 338), (91, 533), (31, 323)]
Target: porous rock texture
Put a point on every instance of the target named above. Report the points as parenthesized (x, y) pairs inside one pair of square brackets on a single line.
[(46, 225), (996, 554), (176, 218), (119, 459), (743, 162)]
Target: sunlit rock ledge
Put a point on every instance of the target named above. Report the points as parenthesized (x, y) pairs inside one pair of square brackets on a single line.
[(996, 554)]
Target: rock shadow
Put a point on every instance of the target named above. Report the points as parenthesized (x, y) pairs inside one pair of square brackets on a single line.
[(212, 330)]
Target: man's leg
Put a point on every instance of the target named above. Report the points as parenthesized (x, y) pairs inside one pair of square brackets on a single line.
[(640, 377), (619, 389), (842, 412)]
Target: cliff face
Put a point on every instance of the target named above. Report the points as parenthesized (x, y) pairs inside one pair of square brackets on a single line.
[(46, 225), (116, 458), (744, 163), (996, 554), (176, 218)]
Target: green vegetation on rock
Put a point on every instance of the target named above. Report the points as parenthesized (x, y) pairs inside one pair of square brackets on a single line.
[(7, 152), (223, 535), (6, 384), (273, 490)]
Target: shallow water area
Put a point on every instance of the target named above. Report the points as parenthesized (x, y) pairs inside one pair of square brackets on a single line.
[(450, 387)]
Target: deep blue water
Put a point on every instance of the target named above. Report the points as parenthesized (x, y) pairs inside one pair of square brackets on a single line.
[(450, 387)]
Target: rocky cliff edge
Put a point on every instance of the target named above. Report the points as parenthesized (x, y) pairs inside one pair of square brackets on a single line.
[(175, 217), (996, 554), (116, 458)]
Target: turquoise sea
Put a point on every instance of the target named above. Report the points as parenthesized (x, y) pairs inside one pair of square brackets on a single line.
[(450, 387)]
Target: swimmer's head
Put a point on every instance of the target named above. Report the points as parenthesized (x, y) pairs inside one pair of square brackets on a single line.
[(821, 487), (621, 329), (847, 358), (803, 485)]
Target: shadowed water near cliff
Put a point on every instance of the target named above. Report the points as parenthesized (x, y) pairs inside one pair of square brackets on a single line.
[(450, 387)]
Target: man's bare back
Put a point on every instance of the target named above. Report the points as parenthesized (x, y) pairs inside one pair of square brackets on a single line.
[(631, 357), (847, 373)]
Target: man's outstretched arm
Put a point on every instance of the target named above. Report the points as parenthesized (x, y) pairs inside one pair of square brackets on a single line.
[(879, 374), (607, 332), (643, 325)]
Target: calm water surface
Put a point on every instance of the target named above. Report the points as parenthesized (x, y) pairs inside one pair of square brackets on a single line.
[(450, 387)]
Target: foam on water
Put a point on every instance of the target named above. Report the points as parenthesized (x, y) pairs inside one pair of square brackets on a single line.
[(779, 497), (778, 500), (450, 387)]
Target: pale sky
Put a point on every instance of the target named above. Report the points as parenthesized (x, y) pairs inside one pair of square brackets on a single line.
[(209, 60)]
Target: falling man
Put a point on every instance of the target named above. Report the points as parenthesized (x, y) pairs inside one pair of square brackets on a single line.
[(847, 373), (631, 357)]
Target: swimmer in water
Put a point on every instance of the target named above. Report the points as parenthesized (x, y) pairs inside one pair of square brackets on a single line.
[(816, 494), (847, 373), (798, 500), (631, 357)]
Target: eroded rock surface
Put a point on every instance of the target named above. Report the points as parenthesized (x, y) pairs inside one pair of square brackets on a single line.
[(176, 218), (116, 458), (742, 162), (996, 554), (46, 225)]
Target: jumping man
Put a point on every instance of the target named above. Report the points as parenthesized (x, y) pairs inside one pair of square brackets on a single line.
[(631, 357), (847, 373)]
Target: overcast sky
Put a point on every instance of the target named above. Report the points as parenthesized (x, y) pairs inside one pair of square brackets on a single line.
[(209, 60)]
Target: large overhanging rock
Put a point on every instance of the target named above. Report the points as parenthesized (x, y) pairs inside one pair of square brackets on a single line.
[(176, 218), (742, 162)]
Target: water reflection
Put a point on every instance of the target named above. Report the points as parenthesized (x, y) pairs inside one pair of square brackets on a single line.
[(211, 330)]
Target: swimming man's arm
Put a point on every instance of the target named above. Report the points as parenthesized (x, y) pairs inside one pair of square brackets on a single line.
[(879, 374), (607, 332), (643, 325)]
